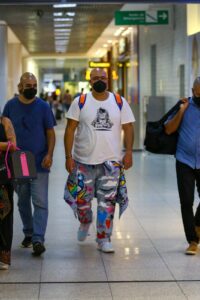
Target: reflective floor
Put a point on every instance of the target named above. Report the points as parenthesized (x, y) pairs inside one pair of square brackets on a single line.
[(149, 262)]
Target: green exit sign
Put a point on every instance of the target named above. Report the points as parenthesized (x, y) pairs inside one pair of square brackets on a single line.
[(142, 17)]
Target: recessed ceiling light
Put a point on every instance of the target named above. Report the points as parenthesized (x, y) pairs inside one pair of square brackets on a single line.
[(62, 29), (62, 25), (64, 5), (57, 14), (61, 42), (67, 32), (60, 38), (70, 14), (63, 19)]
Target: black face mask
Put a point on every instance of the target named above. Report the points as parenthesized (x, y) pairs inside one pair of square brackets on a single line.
[(29, 93), (196, 100), (99, 86)]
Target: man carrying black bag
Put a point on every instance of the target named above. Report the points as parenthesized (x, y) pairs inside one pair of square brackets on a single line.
[(187, 121), (34, 123)]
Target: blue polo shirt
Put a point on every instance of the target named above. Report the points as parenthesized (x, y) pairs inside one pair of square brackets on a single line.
[(30, 122), (188, 146)]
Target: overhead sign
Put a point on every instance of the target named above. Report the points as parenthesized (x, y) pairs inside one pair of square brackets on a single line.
[(142, 17), (93, 64)]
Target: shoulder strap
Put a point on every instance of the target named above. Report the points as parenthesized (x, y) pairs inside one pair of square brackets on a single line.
[(173, 109), (118, 100), (82, 100)]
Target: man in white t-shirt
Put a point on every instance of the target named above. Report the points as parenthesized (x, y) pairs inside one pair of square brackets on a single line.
[(94, 157)]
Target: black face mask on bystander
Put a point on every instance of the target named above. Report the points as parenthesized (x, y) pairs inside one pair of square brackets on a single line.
[(29, 93)]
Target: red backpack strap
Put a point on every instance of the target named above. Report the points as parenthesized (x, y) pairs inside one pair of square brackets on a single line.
[(82, 100), (118, 100)]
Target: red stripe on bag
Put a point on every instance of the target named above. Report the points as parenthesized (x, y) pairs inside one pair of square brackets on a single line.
[(24, 164)]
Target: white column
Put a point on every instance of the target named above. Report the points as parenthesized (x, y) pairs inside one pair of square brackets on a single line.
[(3, 63), (29, 65), (14, 67)]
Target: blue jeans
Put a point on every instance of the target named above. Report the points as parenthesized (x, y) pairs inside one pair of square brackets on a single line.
[(34, 224)]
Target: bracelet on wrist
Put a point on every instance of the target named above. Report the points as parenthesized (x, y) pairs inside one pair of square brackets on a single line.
[(68, 156)]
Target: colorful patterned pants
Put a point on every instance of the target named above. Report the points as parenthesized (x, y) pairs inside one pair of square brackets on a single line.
[(98, 181)]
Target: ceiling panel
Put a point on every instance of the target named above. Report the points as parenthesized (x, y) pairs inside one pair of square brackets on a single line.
[(34, 25)]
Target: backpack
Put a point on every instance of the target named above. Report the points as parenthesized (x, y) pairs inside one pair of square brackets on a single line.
[(82, 100)]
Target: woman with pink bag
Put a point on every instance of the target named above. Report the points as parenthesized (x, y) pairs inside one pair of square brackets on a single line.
[(7, 137)]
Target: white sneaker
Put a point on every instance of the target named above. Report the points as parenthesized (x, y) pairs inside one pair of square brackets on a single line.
[(106, 247), (3, 266)]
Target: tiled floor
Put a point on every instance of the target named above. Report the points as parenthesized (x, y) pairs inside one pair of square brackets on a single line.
[(149, 262)]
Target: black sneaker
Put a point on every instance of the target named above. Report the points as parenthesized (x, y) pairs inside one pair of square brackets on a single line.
[(27, 242), (38, 249)]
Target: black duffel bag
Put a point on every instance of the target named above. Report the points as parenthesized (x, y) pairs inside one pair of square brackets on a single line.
[(156, 140)]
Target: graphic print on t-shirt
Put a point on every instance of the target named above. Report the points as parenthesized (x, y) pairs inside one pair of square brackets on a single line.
[(102, 120)]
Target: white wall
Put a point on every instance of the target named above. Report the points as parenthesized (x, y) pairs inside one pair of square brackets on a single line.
[(29, 65), (172, 50), (15, 54), (3, 63), (14, 68), (171, 42)]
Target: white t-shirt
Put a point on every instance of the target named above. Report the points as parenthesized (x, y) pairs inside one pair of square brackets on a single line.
[(98, 136)]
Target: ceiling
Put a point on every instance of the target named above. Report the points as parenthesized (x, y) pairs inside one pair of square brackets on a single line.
[(34, 25), (96, 1), (91, 25)]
